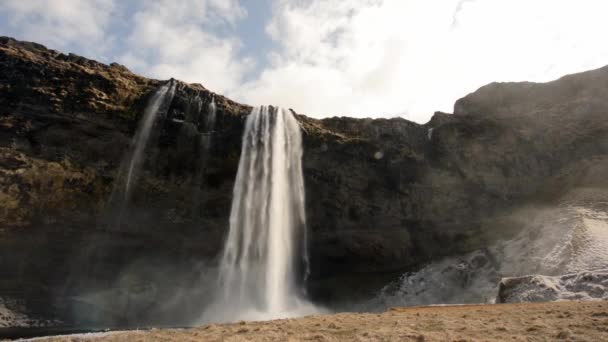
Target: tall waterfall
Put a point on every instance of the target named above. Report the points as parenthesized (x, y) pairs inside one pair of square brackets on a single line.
[(161, 96), (264, 259)]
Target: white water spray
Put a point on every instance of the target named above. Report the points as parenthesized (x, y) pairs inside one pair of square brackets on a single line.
[(264, 258)]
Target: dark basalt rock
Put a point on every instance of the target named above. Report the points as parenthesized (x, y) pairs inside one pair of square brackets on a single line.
[(383, 195)]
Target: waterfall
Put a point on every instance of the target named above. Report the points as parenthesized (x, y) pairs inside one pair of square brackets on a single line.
[(205, 140), (163, 95), (208, 126), (131, 165), (210, 120), (264, 260)]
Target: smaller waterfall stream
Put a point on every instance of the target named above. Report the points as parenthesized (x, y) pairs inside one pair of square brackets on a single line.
[(264, 258), (210, 120), (163, 94), (205, 141), (209, 126), (131, 165)]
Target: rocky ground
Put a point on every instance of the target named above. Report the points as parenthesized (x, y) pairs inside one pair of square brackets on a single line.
[(580, 321)]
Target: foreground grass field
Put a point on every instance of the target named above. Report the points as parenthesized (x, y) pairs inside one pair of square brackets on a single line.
[(580, 321)]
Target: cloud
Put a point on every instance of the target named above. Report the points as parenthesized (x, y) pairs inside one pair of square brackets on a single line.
[(406, 57), (459, 8), (62, 24), (192, 40), (182, 39), (329, 57)]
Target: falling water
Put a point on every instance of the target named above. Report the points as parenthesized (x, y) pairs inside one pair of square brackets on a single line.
[(163, 95), (210, 121), (205, 140), (113, 217), (264, 259), (209, 126), (131, 165)]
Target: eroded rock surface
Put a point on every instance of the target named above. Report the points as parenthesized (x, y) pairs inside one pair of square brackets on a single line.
[(383, 196)]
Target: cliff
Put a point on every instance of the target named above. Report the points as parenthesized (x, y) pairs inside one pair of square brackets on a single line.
[(383, 195)]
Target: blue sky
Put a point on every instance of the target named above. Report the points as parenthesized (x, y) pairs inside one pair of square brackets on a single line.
[(252, 32), (365, 58)]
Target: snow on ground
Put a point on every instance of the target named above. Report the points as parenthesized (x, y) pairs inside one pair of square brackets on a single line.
[(75, 337), (569, 239), (10, 317), (588, 285)]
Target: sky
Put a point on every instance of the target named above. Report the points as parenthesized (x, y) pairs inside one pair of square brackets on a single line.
[(362, 58)]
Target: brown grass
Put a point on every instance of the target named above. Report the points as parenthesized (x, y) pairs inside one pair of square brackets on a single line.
[(581, 321)]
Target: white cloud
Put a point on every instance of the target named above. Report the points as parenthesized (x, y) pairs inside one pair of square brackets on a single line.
[(61, 24), (412, 57), (179, 39), (333, 57), (191, 40)]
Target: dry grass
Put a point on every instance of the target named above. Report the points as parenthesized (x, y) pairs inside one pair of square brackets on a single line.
[(580, 321)]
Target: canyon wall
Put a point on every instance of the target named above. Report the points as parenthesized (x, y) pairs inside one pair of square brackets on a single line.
[(383, 196)]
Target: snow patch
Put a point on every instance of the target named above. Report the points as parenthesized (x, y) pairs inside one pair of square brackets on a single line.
[(570, 239), (589, 285)]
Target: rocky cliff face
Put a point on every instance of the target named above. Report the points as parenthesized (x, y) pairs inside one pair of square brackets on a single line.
[(383, 195)]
